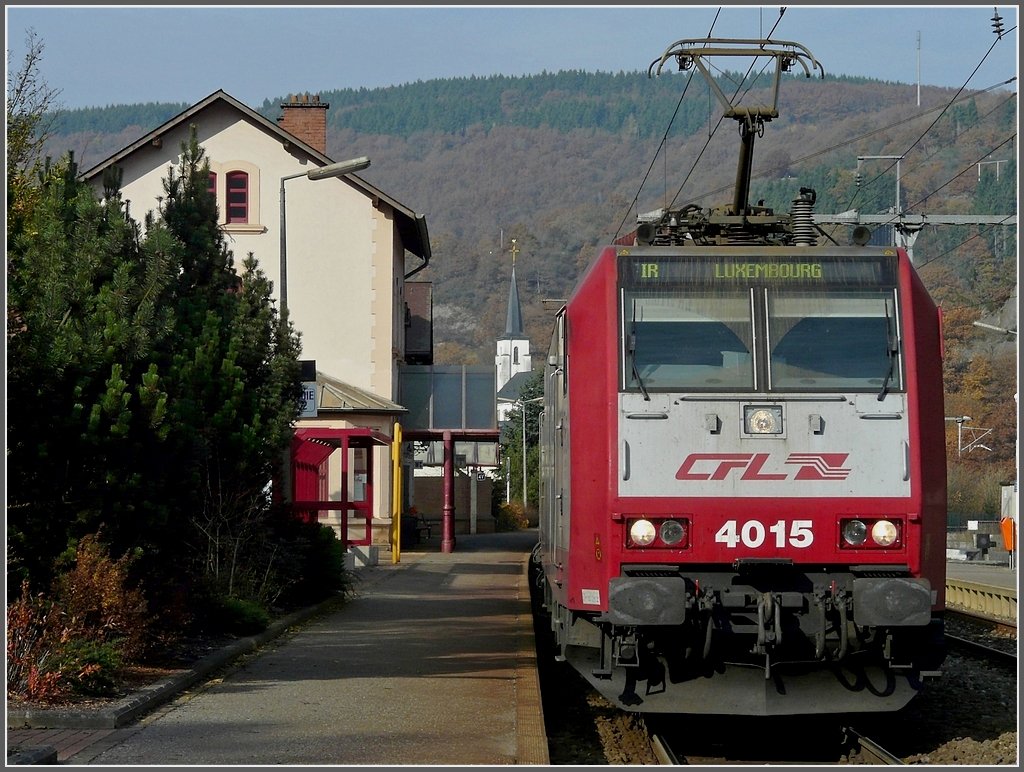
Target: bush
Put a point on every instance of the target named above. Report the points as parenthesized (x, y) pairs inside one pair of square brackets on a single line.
[(89, 666), (308, 563), (974, 493), (237, 616), (97, 603), (511, 517), (33, 639), (77, 639)]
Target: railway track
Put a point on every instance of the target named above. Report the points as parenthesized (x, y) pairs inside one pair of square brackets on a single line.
[(850, 743), (853, 743), (979, 635), (977, 649), (868, 750)]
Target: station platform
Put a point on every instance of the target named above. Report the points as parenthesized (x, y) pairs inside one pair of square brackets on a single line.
[(982, 573), (432, 662)]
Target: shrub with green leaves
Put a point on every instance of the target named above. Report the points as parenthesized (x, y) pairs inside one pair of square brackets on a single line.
[(88, 666), (237, 616)]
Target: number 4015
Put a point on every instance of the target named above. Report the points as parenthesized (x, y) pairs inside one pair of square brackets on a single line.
[(754, 533)]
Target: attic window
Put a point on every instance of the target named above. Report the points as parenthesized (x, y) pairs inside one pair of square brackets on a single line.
[(236, 185), (238, 197)]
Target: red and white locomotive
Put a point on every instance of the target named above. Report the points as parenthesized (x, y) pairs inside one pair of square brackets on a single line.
[(743, 469)]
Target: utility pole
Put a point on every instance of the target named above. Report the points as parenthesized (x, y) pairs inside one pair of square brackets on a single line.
[(919, 68)]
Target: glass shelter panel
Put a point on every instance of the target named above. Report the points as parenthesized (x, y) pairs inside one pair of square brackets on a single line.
[(447, 399), (480, 403)]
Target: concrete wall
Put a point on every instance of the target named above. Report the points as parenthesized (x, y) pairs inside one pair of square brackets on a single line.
[(969, 543)]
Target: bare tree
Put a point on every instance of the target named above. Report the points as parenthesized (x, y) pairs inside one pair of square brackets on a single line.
[(30, 103)]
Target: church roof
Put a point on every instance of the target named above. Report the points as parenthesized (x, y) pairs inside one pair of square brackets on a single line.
[(513, 388), (514, 317)]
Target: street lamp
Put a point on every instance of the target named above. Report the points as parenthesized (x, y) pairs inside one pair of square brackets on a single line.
[(320, 173), (522, 407)]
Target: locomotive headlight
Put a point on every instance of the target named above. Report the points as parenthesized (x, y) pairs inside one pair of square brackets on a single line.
[(762, 419), (884, 533), (855, 532), (672, 532), (642, 532)]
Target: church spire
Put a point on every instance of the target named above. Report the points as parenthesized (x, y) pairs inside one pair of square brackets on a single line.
[(512, 357), (514, 317)]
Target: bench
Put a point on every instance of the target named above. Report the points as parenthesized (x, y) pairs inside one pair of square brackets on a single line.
[(422, 525), (413, 529)]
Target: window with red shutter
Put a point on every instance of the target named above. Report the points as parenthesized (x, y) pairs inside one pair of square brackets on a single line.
[(238, 197)]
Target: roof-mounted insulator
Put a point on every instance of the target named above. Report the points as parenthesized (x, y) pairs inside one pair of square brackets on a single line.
[(997, 23)]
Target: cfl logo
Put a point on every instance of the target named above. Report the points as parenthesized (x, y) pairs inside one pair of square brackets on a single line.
[(751, 467)]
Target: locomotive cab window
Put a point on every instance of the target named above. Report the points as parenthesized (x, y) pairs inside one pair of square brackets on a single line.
[(839, 339), (693, 341), (779, 323)]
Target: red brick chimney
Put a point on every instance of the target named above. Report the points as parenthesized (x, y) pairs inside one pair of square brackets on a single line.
[(306, 118)]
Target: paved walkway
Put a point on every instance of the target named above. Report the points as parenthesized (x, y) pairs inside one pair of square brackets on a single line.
[(433, 662), (982, 573)]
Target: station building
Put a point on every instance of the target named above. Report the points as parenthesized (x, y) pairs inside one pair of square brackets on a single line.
[(342, 256)]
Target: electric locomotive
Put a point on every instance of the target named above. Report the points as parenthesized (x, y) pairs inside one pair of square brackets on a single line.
[(743, 462)]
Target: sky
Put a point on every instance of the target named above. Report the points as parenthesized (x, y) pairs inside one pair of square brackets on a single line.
[(96, 56)]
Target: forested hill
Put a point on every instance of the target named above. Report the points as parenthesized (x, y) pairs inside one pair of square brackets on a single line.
[(564, 161), (565, 101)]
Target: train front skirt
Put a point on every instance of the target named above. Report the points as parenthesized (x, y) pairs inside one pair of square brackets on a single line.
[(789, 688)]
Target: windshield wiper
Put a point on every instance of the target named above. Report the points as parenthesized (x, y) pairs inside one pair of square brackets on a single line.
[(632, 356), (891, 351)]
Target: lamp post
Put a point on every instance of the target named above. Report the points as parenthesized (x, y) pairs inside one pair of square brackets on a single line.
[(522, 407), (320, 173)]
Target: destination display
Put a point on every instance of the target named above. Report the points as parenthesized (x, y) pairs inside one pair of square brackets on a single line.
[(650, 271)]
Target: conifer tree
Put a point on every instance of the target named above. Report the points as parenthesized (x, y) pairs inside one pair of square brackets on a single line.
[(155, 388), (86, 396), (233, 382)]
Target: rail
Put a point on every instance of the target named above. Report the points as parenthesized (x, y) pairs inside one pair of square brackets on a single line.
[(871, 752), (976, 649), (994, 603), (663, 752)]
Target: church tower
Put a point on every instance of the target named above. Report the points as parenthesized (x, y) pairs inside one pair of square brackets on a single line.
[(513, 348)]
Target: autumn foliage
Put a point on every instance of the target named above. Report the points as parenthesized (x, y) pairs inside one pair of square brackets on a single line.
[(75, 639)]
